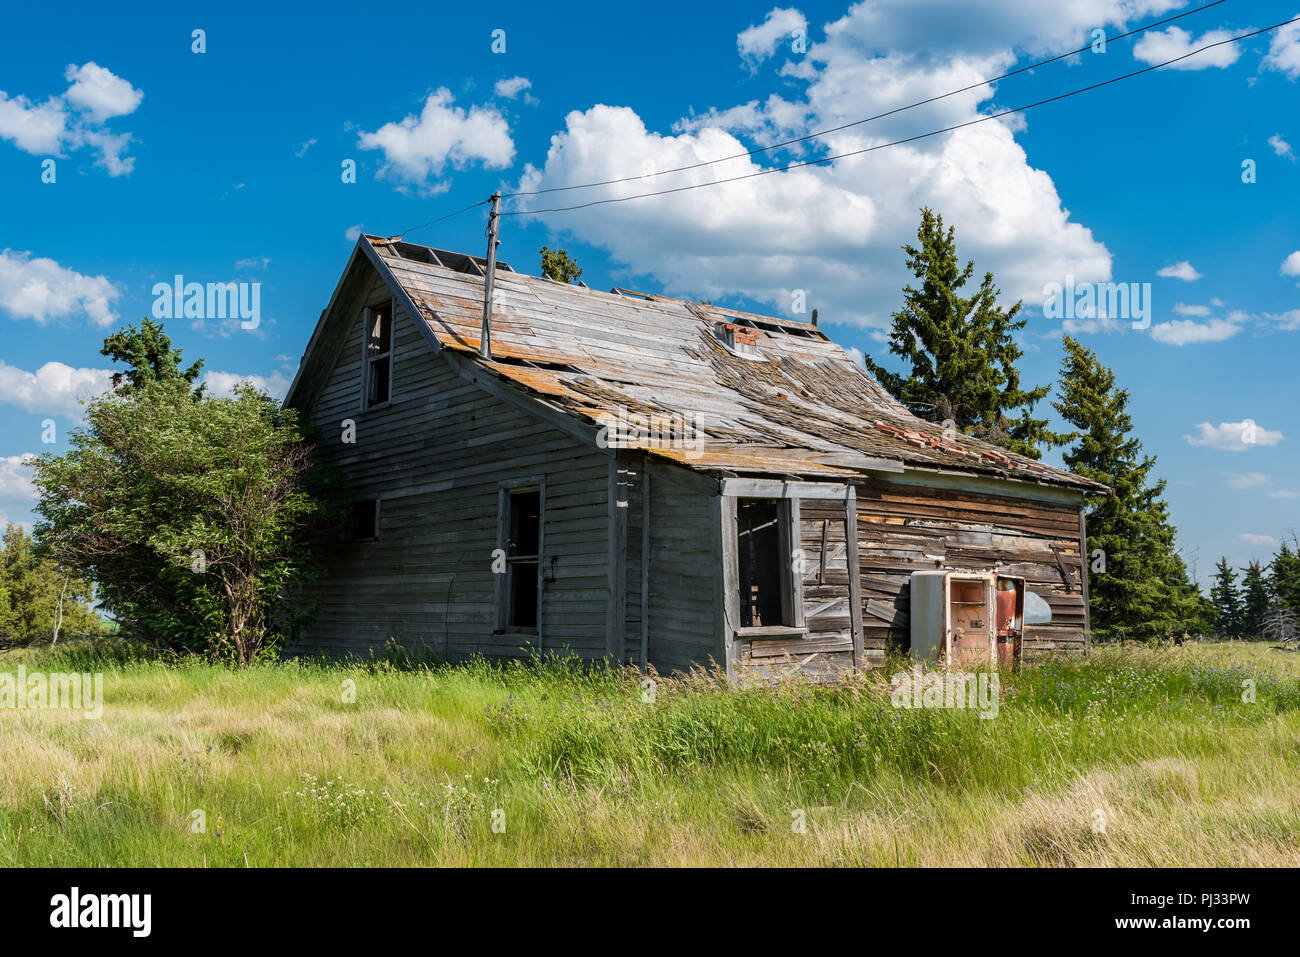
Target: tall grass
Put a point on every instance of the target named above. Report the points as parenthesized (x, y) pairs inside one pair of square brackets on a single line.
[(1128, 757)]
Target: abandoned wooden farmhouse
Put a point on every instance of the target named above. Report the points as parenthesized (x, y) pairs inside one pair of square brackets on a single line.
[(632, 477)]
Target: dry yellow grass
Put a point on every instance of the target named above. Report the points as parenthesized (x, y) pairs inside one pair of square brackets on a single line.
[(1138, 757)]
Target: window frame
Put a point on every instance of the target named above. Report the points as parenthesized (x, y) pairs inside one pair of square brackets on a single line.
[(368, 360), (506, 491), (351, 532), (792, 614)]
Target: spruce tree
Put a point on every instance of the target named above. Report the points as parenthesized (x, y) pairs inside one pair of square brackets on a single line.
[(1254, 601), (1284, 575), (961, 350), (150, 357), (1144, 591), (1226, 600)]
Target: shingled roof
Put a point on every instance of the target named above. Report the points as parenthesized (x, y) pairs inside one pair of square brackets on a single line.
[(800, 407)]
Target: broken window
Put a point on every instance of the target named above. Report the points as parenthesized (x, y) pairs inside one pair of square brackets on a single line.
[(523, 553), (379, 353), (763, 562), (365, 519)]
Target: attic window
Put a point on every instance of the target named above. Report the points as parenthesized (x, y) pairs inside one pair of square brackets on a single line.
[(379, 354), (741, 340)]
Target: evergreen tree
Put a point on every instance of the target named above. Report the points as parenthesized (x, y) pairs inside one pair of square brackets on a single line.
[(1284, 575), (1226, 600), (1144, 591), (961, 350), (149, 356), (1254, 601)]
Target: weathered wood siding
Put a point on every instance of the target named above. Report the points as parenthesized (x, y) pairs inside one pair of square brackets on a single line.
[(827, 647), (685, 624), (435, 458), (899, 525)]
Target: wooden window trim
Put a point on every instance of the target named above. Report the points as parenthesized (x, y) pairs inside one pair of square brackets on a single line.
[(504, 492), (793, 624), (367, 360)]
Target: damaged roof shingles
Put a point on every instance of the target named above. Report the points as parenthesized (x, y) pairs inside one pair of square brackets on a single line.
[(805, 408)]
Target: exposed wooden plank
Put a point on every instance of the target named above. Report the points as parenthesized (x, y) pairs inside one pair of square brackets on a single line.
[(887, 612), (617, 594), (855, 573)]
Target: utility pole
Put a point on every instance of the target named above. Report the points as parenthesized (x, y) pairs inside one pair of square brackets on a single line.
[(494, 219)]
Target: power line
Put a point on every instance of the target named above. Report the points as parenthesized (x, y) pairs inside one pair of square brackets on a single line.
[(482, 202), (869, 119), (909, 139)]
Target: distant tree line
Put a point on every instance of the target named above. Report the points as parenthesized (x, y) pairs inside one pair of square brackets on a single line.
[(40, 601), (1265, 603)]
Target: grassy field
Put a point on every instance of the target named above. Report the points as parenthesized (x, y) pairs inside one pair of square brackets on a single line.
[(1132, 757)]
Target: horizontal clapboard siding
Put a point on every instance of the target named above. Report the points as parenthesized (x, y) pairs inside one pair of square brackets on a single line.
[(826, 649), (900, 526), (685, 614), (435, 457)]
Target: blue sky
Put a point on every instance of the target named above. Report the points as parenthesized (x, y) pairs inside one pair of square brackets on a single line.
[(227, 165)]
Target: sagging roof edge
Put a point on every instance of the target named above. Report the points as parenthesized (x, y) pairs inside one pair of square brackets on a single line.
[(585, 430)]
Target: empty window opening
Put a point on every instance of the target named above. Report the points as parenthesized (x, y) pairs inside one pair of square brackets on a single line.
[(379, 353), (365, 519), (760, 562), (523, 552)]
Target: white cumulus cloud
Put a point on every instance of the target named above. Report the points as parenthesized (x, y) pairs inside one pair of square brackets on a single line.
[(1284, 51), (1233, 436), (100, 92), (74, 119), (1181, 332), (510, 87), (1250, 538), (33, 128), (1157, 46), (758, 42), (53, 389), (1291, 265), (223, 383), (418, 149), (1281, 147), (41, 289), (834, 230), (1179, 270), (16, 476)]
